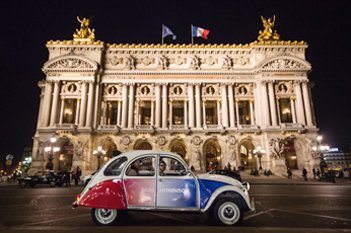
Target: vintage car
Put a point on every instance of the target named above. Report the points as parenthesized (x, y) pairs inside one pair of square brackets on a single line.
[(161, 181)]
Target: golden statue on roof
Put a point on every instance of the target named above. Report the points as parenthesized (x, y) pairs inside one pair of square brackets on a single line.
[(84, 33), (268, 33)]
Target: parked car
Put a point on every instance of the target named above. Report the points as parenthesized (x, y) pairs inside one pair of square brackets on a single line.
[(229, 173), (35, 177), (161, 181)]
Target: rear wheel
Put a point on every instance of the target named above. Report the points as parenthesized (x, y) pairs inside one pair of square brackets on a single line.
[(107, 217), (227, 212)]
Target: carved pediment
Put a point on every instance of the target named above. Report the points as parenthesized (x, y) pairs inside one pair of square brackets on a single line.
[(70, 64), (285, 64)]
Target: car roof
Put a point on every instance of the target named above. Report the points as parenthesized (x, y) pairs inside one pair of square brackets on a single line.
[(136, 153)]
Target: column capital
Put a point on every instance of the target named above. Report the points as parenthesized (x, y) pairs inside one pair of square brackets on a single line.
[(298, 81), (292, 98)]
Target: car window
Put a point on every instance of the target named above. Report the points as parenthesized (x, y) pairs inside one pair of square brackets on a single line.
[(143, 166), (171, 167), (115, 168)]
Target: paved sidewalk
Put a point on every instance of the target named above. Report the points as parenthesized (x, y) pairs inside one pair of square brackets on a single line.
[(283, 179)]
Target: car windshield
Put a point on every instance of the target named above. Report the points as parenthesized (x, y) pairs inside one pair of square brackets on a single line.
[(115, 168)]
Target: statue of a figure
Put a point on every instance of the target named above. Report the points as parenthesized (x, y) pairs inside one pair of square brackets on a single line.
[(268, 32), (84, 32)]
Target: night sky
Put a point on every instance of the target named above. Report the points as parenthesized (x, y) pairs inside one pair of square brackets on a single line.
[(26, 26)]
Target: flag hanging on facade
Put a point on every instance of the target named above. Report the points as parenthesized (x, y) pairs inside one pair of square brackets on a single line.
[(166, 31), (199, 32)]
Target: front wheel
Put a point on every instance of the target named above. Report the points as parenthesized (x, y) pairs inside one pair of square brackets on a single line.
[(107, 217), (227, 212)]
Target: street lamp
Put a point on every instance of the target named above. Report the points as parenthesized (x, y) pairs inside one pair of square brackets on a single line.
[(318, 150), (51, 149), (259, 152), (98, 153)]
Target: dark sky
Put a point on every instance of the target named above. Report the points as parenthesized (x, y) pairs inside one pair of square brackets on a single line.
[(26, 26)]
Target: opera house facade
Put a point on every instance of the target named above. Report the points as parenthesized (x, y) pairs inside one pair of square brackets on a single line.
[(248, 105)]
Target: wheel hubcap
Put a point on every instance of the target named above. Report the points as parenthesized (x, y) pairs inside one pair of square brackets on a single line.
[(229, 213), (106, 216)]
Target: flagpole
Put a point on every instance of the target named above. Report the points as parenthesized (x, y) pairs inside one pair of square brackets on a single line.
[(191, 33), (162, 34)]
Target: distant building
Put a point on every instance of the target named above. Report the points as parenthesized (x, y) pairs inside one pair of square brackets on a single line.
[(209, 103), (337, 159)]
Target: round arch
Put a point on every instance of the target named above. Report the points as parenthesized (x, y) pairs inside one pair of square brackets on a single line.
[(247, 159), (212, 152), (290, 153), (178, 146), (109, 147), (142, 144), (60, 159)]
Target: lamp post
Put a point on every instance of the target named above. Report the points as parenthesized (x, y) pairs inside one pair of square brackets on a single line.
[(98, 153), (51, 150), (259, 152), (319, 150)]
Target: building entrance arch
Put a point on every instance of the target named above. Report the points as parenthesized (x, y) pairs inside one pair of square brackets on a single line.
[(247, 159), (141, 144), (212, 152), (64, 157), (109, 147), (177, 146), (290, 153)]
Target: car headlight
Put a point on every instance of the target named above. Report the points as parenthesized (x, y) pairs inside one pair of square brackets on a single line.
[(246, 185)]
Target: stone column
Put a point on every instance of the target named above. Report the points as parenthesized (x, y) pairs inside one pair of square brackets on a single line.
[(55, 100), (77, 112), (158, 105), (218, 113), (61, 110), (152, 120), (231, 106), (124, 105), (83, 104), (204, 113), (185, 114), (90, 104), (272, 103), (97, 103), (47, 103), (237, 112), (265, 107), (191, 105), (198, 105), (170, 114), (119, 112), (258, 110), (131, 106), (164, 106), (252, 113), (306, 100), (293, 112), (299, 105), (224, 105)]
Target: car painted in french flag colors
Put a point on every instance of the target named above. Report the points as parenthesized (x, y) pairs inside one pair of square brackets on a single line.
[(161, 181)]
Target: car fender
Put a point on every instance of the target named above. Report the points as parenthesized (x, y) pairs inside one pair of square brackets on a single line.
[(228, 188), (107, 194)]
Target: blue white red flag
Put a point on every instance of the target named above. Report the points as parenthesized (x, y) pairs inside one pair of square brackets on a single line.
[(199, 32), (166, 31)]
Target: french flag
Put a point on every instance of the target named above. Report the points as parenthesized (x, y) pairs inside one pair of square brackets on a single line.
[(199, 32)]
